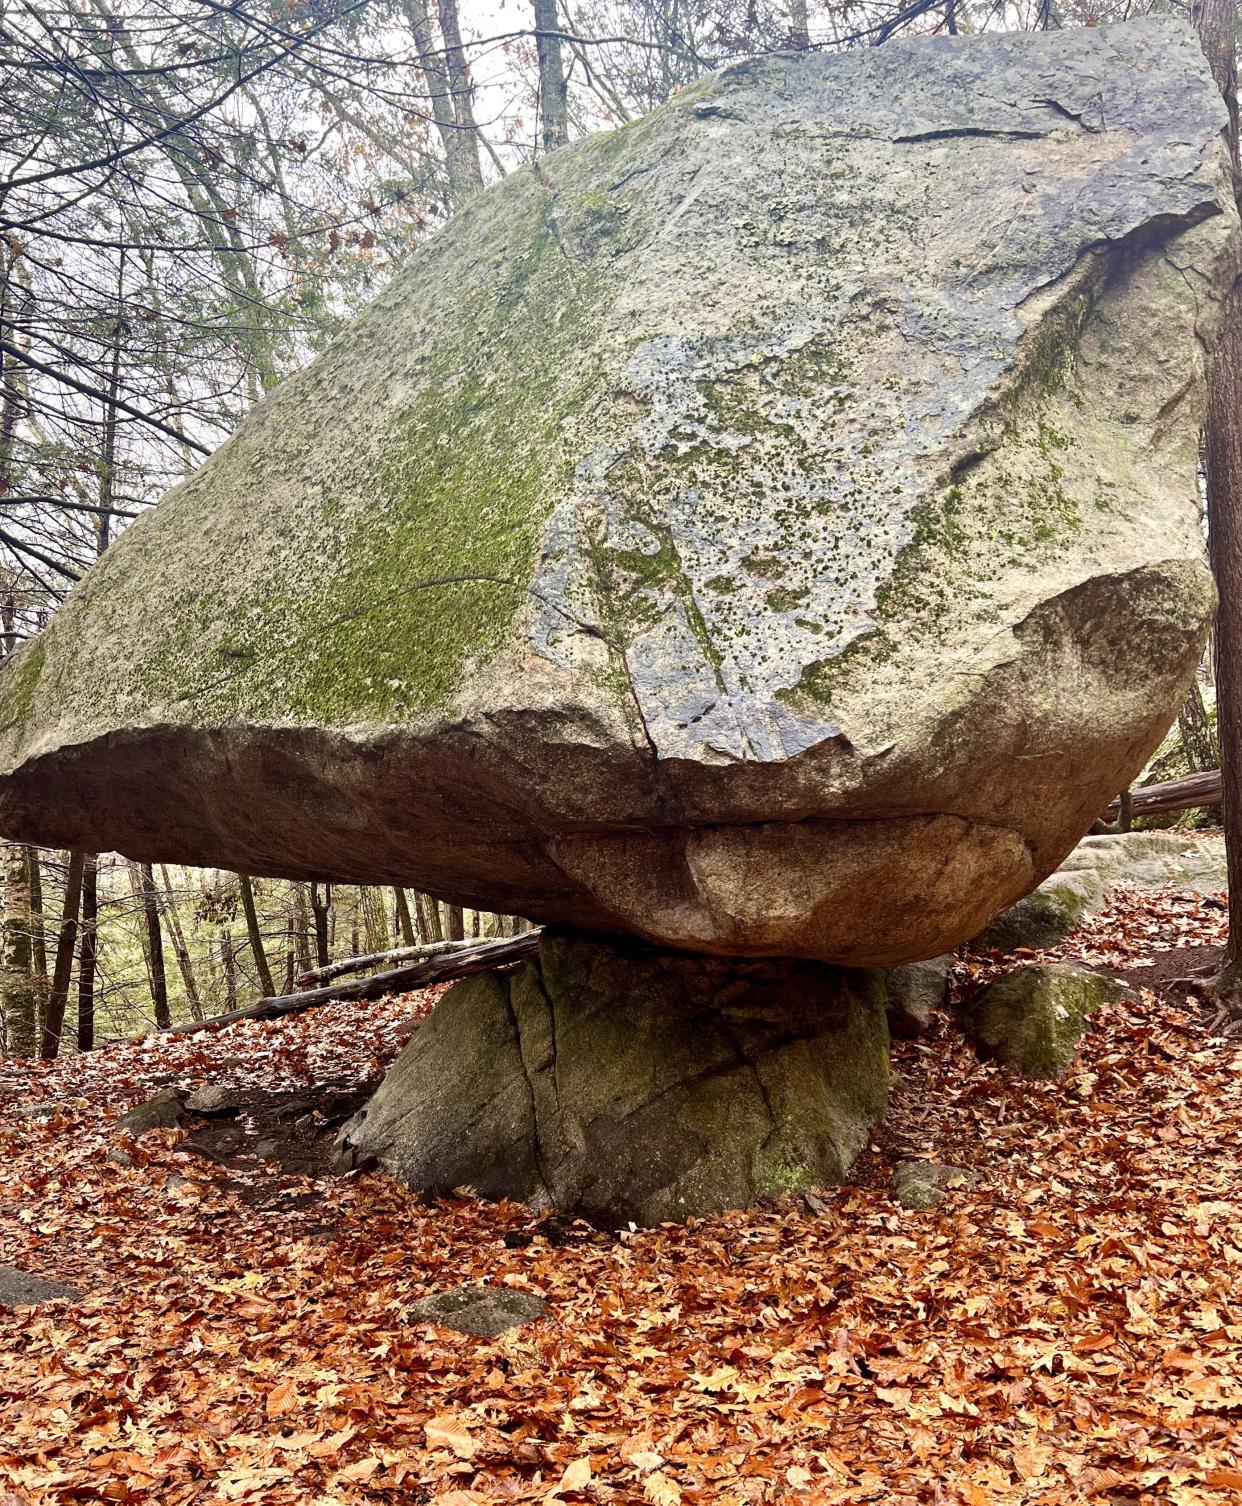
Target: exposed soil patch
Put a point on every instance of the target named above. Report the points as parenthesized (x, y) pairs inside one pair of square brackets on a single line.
[(1173, 976), (288, 1135)]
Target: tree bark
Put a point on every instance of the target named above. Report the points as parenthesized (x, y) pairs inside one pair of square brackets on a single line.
[(228, 966), (339, 969), (405, 921), (21, 996), (321, 903), (1196, 734), (1218, 21), (58, 996), (301, 928), (456, 929), (449, 107), (262, 970), (88, 952), (155, 946), (184, 965), (429, 925), (799, 26), (553, 98)]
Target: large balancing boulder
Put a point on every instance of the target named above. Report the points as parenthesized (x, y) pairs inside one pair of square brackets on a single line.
[(634, 1084), (769, 529)]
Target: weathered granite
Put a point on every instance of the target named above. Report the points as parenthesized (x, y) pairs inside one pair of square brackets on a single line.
[(482, 1311), (770, 528), (913, 991), (923, 1184), (1093, 871), (631, 1084)]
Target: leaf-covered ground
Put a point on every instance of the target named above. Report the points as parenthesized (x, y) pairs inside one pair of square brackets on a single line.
[(1069, 1330)]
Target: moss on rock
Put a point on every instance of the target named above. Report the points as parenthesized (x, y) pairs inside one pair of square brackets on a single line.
[(1033, 1018)]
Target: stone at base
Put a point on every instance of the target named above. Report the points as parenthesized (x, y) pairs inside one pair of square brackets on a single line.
[(484, 1311), (922, 1184), (631, 1084), (1033, 1018), (20, 1289)]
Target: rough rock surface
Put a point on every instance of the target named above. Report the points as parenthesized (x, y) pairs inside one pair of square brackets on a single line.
[(627, 1083), (1033, 1018), (484, 1311), (166, 1110), (720, 535), (923, 1184), (1095, 868), (20, 1289), (913, 991)]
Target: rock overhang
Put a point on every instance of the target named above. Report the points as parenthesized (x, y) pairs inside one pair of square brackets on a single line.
[(720, 492)]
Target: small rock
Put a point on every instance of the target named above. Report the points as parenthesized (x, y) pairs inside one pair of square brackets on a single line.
[(213, 1099), (1033, 1018), (913, 991), (165, 1111), (268, 1150), (922, 1184), (227, 1063), (18, 1289), (34, 1111), (484, 1311), (121, 1157)]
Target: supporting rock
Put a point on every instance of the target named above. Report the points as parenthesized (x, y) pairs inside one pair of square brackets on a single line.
[(629, 1083)]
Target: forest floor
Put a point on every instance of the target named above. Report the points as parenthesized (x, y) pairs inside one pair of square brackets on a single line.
[(1068, 1330)]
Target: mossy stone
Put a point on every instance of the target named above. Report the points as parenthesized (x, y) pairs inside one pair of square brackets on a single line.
[(631, 1084), (1033, 1018)]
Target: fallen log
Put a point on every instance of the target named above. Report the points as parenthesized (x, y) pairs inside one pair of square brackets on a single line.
[(1173, 795), (319, 975), (476, 957)]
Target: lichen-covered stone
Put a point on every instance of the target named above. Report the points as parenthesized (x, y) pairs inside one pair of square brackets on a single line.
[(483, 1311), (628, 1083), (1033, 1018), (165, 1111), (923, 1184), (770, 528)]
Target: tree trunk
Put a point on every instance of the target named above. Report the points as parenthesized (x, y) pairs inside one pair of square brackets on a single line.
[(181, 950), (405, 923), (58, 997), (301, 929), (262, 970), (461, 148), (429, 924), (799, 26), (21, 996), (456, 927), (321, 903), (1223, 448), (38, 925), (374, 920), (88, 952), (553, 101), (228, 965), (155, 946), (1196, 734)]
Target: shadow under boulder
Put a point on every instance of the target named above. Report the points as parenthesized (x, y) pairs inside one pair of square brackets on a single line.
[(629, 1083)]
